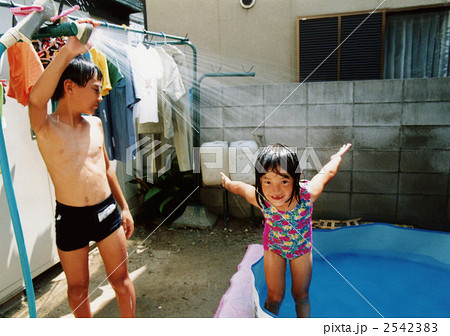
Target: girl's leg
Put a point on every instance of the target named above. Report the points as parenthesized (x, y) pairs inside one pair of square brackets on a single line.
[(275, 272), (76, 267), (113, 250), (301, 271)]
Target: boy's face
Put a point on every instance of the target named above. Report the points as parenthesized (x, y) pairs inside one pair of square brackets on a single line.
[(277, 188), (87, 98)]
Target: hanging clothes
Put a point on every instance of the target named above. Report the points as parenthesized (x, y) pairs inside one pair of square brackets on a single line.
[(146, 70), (120, 104), (25, 68), (47, 49), (182, 118), (172, 89), (100, 60), (1, 113)]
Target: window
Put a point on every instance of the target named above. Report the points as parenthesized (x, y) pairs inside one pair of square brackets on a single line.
[(407, 44), (417, 44), (358, 57)]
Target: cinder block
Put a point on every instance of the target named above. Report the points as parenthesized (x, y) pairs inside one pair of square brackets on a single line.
[(289, 136), (378, 91), (340, 183), (243, 95), (375, 182), (244, 116), (423, 184), (238, 133), (211, 117), (373, 204), (330, 115), (419, 161), (330, 93), (238, 207), (378, 114), (428, 212), (332, 205), (314, 159), (210, 134), (375, 161), (426, 113), (329, 137), (284, 115), (211, 196), (285, 94), (426, 137), (427, 89), (376, 137), (210, 96)]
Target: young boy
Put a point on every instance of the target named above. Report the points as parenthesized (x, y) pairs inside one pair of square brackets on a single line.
[(86, 186)]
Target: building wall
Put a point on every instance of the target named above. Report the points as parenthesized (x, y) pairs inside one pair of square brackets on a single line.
[(264, 36), (398, 168)]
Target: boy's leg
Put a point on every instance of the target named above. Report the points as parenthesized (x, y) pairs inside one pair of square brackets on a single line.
[(76, 267), (301, 271), (113, 250), (275, 271)]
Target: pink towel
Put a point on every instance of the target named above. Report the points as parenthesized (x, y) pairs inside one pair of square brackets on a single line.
[(237, 301)]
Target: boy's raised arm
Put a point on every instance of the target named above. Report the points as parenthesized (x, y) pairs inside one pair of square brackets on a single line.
[(45, 86)]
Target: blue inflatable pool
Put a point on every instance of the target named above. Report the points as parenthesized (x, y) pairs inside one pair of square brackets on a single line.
[(371, 270)]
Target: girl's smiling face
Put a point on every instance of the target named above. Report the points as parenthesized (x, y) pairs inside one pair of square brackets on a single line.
[(277, 188)]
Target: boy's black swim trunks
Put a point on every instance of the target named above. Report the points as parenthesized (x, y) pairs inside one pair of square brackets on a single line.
[(77, 226)]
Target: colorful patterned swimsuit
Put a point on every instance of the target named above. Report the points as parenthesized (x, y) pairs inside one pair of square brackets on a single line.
[(288, 233)]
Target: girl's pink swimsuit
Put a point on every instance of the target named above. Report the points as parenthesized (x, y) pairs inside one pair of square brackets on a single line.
[(289, 233)]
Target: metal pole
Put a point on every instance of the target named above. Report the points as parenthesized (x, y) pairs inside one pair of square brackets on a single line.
[(197, 125), (14, 212)]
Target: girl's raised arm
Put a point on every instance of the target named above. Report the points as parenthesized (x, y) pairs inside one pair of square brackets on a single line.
[(327, 172), (240, 188)]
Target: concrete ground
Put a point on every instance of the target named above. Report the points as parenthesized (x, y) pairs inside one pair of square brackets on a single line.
[(176, 273)]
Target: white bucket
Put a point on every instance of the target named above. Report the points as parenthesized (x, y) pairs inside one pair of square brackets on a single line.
[(242, 157), (213, 160)]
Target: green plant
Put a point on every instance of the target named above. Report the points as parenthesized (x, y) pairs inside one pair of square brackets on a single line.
[(166, 194)]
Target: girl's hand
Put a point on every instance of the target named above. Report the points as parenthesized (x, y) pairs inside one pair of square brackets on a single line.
[(341, 151), (225, 180)]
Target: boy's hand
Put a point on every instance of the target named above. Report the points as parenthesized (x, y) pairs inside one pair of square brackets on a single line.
[(74, 45), (127, 223), (225, 180), (341, 151)]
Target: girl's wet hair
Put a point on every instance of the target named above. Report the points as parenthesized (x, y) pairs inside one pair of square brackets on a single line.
[(80, 70), (272, 158)]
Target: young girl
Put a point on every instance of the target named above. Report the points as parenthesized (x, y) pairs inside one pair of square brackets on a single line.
[(286, 203)]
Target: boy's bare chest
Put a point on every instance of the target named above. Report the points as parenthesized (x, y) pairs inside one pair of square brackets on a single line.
[(74, 147)]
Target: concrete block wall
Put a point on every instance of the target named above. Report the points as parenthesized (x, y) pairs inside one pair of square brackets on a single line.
[(398, 168)]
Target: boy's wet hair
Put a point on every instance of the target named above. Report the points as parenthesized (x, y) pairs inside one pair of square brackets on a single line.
[(272, 158), (80, 70)]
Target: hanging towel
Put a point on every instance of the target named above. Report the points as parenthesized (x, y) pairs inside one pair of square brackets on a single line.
[(25, 68), (147, 70), (100, 60)]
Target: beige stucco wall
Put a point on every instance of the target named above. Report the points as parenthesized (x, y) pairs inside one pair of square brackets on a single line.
[(263, 36)]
